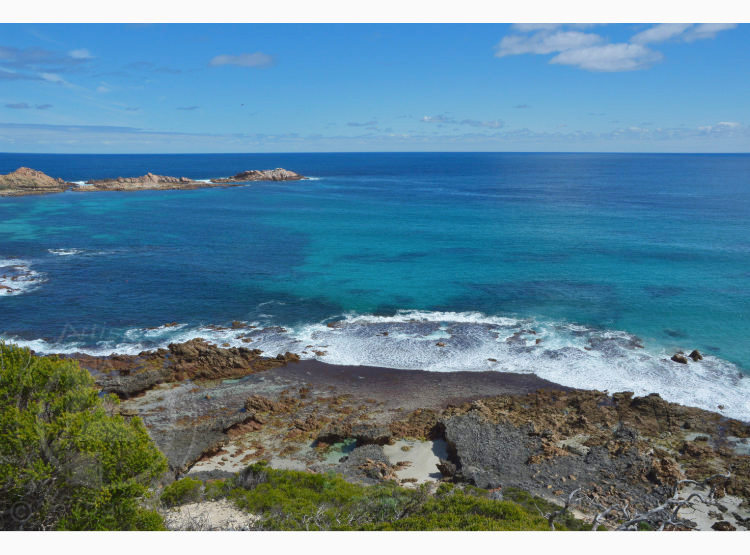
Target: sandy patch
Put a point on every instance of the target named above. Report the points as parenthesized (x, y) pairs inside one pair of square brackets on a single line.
[(705, 515), (422, 458), (209, 515)]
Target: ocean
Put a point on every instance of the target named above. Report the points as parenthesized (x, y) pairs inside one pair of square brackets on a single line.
[(589, 270)]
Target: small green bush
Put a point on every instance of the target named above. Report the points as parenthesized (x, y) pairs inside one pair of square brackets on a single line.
[(66, 461), (216, 489), (186, 490)]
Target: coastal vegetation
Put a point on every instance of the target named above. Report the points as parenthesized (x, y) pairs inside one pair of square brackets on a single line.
[(67, 459), (73, 456), (293, 500)]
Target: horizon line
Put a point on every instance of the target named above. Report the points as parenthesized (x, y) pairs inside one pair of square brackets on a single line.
[(375, 152)]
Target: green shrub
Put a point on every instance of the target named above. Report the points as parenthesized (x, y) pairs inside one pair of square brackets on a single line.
[(67, 462), (182, 491), (216, 489), (289, 500), (463, 511)]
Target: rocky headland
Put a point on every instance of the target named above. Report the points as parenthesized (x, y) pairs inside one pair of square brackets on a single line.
[(26, 181), (213, 411)]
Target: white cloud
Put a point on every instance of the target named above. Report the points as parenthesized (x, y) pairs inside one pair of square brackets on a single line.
[(443, 119), (592, 52), (52, 77), (609, 57), (256, 59), (80, 54), (493, 124), (707, 30), (687, 32), (545, 43), (437, 119), (527, 27), (660, 33), (721, 127)]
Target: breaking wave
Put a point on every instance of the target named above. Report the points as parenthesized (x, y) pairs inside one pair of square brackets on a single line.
[(17, 277), (565, 353)]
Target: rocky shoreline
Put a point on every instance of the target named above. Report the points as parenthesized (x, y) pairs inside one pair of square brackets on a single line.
[(26, 181), (213, 410)]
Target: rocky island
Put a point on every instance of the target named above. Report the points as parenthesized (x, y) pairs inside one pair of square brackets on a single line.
[(279, 174), (26, 181)]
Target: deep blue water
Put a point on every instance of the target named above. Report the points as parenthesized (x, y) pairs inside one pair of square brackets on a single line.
[(588, 250)]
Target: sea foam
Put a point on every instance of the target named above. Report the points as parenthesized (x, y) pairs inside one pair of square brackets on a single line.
[(565, 353), (17, 277)]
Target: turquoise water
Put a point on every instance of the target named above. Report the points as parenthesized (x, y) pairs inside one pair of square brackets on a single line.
[(587, 250)]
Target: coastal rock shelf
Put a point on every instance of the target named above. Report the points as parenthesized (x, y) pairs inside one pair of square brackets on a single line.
[(212, 411), (26, 181)]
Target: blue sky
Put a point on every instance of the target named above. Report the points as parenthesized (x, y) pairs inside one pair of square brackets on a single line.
[(374, 87)]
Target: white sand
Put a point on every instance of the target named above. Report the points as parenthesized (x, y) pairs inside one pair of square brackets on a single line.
[(209, 515), (699, 512), (422, 456)]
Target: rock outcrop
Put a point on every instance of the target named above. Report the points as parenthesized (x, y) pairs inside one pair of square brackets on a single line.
[(148, 181), (129, 375), (679, 357), (279, 174), (25, 181), (619, 447)]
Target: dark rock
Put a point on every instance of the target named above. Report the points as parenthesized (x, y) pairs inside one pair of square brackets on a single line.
[(489, 454), (365, 434), (696, 355), (366, 464), (447, 468), (723, 526), (679, 357)]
